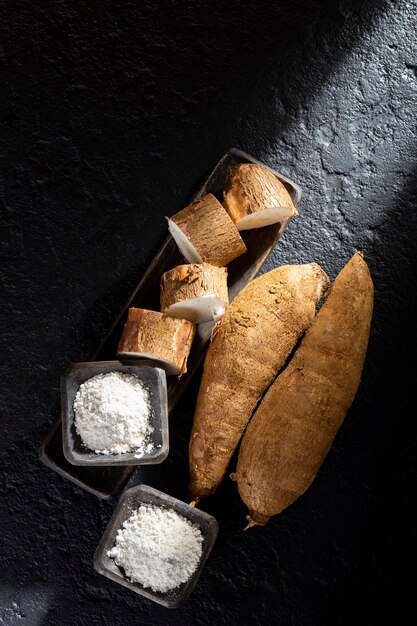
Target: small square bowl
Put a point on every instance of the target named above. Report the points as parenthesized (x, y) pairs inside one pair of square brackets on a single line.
[(131, 500), (153, 378)]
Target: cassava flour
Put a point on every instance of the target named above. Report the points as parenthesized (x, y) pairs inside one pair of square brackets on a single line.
[(158, 548), (112, 414)]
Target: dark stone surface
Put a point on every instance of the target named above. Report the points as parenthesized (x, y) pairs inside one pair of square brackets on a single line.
[(111, 114)]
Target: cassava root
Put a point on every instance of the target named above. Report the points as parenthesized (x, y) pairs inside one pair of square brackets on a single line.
[(153, 335), (294, 426), (204, 232), (248, 347)]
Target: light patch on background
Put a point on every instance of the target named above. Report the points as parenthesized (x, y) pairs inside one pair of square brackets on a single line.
[(25, 605)]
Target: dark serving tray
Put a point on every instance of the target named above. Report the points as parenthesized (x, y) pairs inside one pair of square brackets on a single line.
[(106, 482)]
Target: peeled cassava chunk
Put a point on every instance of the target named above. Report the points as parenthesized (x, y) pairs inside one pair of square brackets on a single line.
[(153, 335), (204, 232), (196, 292), (249, 345), (291, 432), (255, 197)]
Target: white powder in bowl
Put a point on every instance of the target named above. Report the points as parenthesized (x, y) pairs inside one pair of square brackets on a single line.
[(112, 414), (158, 548)]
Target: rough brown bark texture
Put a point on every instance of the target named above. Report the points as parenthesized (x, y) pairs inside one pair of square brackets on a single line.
[(208, 227), (159, 336), (186, 282), (249, 346), (292, 430), (252, 188)]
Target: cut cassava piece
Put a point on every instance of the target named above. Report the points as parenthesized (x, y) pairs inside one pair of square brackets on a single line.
[(153, 335), (255, 197), (204, 232), (294, 426), (249, 345), (195, 292)]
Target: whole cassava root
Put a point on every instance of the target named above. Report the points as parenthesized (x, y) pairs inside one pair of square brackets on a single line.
[(249, 345), (294, 426)]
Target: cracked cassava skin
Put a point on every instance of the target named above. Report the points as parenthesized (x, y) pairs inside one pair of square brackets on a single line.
[(153, 334), (207, 225), (251, 189), (195, 280), (293, 428), (249, 345)]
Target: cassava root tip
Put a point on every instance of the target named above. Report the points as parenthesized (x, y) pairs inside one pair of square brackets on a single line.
[(256, 519)]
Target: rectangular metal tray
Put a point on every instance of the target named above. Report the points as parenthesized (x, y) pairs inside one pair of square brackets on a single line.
[(106, 482)]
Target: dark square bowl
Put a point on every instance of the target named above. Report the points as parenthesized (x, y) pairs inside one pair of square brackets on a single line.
[(131, 500), (153, 378)]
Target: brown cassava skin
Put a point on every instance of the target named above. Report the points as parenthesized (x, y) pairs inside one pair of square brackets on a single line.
[(294, 426), (194, 280), (249, 345), (160, 336), (209, 228), (252, 188)]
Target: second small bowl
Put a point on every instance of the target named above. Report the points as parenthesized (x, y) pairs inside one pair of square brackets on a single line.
[(154, 380), (130, 501)]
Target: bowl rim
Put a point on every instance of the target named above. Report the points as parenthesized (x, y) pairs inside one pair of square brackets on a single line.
[(121, 513), (88, 369)]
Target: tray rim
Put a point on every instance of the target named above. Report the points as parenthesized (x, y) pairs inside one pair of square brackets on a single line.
[(297, 196)]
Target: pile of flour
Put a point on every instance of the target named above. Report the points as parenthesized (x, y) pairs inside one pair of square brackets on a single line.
[(158, 548), (112, 414)]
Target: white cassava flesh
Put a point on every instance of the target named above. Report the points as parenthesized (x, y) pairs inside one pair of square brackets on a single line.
[(249, 345), (153, 335), (266, 217), (196, 292), (184, 244), (205, 308), (204, 232), (255, 197)]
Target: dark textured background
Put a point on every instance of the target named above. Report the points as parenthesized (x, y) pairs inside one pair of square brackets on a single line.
[(111, 115)]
